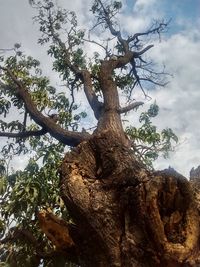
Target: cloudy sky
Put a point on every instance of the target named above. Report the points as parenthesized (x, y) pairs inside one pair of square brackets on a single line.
[(179, 101)]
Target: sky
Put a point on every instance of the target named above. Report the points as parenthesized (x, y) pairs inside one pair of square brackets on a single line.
[(178, 50)]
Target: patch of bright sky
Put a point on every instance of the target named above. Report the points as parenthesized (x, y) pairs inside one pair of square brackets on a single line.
[(182, 12)]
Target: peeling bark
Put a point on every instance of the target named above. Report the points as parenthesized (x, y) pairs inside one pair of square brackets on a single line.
[(55, 229)]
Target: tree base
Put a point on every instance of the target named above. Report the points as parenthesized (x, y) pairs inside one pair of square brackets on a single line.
[(124, 214)]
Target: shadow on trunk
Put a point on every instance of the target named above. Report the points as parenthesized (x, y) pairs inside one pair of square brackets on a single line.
[(124, 214)]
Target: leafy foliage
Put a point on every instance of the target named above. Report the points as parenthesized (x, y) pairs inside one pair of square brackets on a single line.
[(24, 193), (148, 143)]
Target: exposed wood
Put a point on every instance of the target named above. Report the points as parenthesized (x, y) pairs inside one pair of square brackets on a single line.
[(56, 229), (130, 107), (125, 215)]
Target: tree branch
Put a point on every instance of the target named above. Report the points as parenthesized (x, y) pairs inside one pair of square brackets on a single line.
[(137, 54), (23, 134), (83, 75), (154, 82), (17, 233), (96, 43), (90, 94), (27, 236), (132, 106), (129, 57), (66, 137), (115, 33), (157, 29)]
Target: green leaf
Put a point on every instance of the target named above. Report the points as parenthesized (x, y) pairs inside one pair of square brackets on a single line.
[(3, 185)]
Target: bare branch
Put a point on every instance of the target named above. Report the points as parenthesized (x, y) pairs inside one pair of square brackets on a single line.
[(132, 106), (157, 29), (138, 54), (154, 82), (96, 43), (90, 94), (3, 50), (25, 120), (137, 78), (23, 134), (114, 32)]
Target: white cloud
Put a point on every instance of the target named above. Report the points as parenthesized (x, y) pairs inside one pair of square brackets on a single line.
[(143, 5), (133, 24), (179, 101), (141, 18)]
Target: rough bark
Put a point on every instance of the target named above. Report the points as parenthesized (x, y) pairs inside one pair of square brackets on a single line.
[(124, 214)]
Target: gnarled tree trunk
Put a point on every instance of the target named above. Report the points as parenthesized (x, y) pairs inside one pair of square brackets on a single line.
[(124, 214)]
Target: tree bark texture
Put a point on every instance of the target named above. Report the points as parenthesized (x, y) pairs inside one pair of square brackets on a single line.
[(125, 215)]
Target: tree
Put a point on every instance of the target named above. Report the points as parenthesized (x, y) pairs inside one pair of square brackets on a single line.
[(113, 209)]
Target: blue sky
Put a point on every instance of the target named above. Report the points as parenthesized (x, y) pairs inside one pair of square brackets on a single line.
[(185, 8), (179, 51), (178, 9), (175, 10)]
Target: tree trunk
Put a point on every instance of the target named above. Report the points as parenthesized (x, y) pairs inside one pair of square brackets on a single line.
[(126, 216)]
